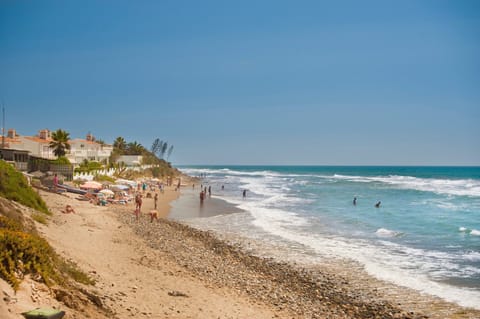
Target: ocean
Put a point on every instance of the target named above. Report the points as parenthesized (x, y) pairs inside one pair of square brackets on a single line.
[(424, 235)]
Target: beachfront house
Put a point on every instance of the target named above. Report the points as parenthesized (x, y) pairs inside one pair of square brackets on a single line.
[(88, 149), (39, 146), (35, 145)]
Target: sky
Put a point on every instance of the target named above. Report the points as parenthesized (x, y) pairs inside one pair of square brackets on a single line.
[(251, 82)]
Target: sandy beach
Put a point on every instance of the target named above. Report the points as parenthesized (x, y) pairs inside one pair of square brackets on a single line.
[(166, 269)]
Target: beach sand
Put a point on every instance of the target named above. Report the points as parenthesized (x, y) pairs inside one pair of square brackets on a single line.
[(166, 269)]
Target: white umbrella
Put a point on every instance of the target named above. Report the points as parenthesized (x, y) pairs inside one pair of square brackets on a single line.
[(119, 187), (107, 192)]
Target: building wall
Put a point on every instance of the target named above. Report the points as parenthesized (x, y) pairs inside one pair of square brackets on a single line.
[(130, 160), (35, 147), (84, 149)]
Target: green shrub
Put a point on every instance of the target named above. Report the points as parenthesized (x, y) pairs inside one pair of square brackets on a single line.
[(61, 160), (14, 186), (10, 224), (23, 253)]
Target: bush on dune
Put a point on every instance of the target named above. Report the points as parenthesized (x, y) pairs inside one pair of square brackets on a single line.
[(22, 250), (14, 186)]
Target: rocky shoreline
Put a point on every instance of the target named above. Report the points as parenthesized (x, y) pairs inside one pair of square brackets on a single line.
[(288, 288)]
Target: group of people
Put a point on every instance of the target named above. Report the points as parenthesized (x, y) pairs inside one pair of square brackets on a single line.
[(138, 207), (204, 192), (377, 205)]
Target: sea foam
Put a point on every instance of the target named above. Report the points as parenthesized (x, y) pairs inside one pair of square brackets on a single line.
[(383, 232), (458, 187), (475, 232)]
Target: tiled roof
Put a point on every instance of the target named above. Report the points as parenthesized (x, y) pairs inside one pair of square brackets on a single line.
[(80, 140), (38, 139)]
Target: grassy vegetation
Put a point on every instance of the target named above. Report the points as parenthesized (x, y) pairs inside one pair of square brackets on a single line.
[(14, 186), (22, 250), (39, 218), (22, 253)]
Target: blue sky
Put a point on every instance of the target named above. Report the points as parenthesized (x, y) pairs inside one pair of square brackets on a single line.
[(251, 82)]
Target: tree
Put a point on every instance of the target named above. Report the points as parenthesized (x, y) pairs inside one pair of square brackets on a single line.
[(120, 143), (156, 146), (164, 149), (60, 143), (135, 148), (160, 148), (170, 150)]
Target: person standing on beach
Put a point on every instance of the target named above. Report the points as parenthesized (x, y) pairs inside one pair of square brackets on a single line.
[(202, 197), (210, 191), (138, 202), (55, 182), (155, 200)]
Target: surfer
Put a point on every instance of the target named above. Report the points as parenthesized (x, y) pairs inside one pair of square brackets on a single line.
[(354, 201), (244, 193), (377, 205)]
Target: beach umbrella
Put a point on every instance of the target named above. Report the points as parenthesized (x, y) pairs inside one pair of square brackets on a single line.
[(91, 185), (119, 187), (107, 192)]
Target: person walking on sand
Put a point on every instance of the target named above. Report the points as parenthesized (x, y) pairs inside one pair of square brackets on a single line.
[(155, 200), (138, 201)]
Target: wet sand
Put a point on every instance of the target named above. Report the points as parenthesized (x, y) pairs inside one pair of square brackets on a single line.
[(189, 206)]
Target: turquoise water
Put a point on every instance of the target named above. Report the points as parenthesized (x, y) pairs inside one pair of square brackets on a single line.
[(425, 234)]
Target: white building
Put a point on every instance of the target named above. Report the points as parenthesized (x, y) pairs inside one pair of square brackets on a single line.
[(88, 149), (80, 149), (130, 160), (35, 145)]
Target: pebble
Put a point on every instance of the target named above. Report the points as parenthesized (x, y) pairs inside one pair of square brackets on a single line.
[(289, 287)]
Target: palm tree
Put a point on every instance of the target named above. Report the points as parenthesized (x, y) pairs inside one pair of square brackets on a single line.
[(60, 143), (135, 148), (120, 143)]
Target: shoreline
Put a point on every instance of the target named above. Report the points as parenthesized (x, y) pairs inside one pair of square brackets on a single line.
[(167, 269), (403, 297)]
